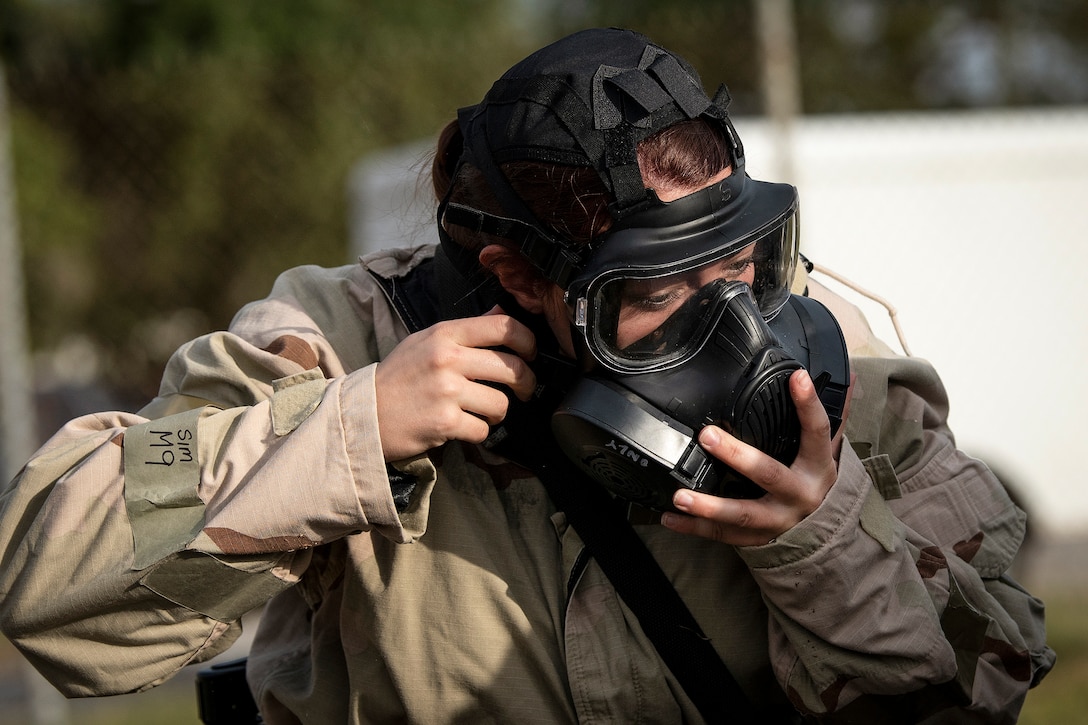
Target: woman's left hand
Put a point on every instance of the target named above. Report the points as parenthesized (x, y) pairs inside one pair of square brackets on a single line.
[(793, 492)]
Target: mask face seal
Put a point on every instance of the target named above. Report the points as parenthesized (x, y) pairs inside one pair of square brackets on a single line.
[(636, 433)]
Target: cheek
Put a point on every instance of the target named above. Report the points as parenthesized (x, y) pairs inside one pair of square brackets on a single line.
[(633, 328), (626, 334)]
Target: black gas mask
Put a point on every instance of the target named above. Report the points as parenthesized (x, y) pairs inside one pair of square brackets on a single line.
[(637, 433), (681, 312), (686, 313)]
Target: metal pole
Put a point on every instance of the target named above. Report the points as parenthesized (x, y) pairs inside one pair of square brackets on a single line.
[(18, 430), (781, 78)]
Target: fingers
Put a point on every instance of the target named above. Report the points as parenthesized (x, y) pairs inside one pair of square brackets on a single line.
[(793, 491), (487, 402), (741, 522), (497, 329), (745, 459), (474, 357), (814, 455), (449, 382)]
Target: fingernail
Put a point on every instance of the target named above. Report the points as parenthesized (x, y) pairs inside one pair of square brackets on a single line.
[(682, 499), (709, 436)]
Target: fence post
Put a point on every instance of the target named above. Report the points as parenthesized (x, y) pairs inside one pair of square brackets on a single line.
[(777, 34)]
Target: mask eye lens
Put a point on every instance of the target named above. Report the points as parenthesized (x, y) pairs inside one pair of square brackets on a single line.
[(649, 267), (642, 329), (683, 326), (640, 321)]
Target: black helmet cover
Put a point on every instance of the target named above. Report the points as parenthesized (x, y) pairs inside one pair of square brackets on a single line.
[(585, 100)]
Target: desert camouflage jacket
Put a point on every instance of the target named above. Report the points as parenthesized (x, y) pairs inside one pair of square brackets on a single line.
[(132, 544)]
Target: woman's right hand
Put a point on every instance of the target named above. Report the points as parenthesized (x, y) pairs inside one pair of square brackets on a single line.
[(431, 388)]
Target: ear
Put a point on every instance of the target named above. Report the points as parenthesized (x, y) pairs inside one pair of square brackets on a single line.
[(516, 275)]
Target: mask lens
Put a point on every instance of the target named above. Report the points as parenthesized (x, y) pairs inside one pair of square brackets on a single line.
[(648, 323), (775, 264), (642, 321)]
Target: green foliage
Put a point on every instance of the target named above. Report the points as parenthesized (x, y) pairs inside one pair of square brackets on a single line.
[(716, 36), (58, 223), (873, 55), (178, 155)]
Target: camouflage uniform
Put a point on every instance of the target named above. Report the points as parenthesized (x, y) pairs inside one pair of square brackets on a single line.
[(132, 545)]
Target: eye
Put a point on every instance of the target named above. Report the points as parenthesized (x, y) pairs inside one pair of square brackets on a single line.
[(733, 268), (654, 302)]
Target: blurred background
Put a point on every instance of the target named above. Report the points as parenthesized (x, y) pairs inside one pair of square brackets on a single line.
[(161, 161)]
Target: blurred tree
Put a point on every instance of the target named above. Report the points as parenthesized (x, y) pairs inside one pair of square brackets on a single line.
[(874, 55), (866, 55), (177, 155), (716, 36)]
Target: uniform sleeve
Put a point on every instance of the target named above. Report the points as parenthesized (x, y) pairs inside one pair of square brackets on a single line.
[(132, 544), (891, 602)]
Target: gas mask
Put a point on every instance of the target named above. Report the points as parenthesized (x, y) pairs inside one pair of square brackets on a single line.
[(681, 311), (709, 335)]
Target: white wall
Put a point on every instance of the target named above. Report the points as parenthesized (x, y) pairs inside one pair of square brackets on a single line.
[(972, 225)]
